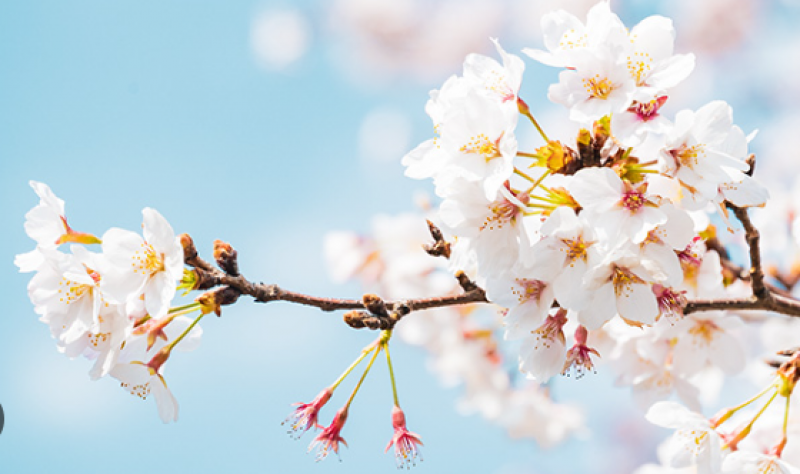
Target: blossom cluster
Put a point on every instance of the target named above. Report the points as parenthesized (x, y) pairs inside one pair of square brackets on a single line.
[(605, 229), (112, 307), (460, 340), (605, 238)]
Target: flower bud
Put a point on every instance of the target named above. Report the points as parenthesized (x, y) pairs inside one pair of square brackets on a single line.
[(154, 366), (558, 158), (189, 250), (226, 257), (375, 305), (212, 301)]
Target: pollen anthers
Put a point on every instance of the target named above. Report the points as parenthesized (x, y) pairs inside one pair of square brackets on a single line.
[(481, 145), (501, 213), (527, 290), (572, 40), (551, 330), (99, 338), (647, 111), (498, 84), (639, 67), (688, 156), (598, 88), (147, 261), (655, 236), (704, 330), (623, 280), (576, 249), (698, 440), (632, 198), (140, 390), (73, 291), (670, 303)]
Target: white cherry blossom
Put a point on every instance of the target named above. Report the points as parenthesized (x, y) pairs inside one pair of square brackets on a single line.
[(598, 85), (66, 292), (616, 206), (140, 372), (694, 443), (566, 37), (696, 153), (493, 228), (746, 462), (528, 301), (567, 250), (651, 62), (707, 338), (148, 266), (619, 284)]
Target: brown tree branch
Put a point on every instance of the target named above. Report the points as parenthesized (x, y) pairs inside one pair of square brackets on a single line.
[(375, 313), (763, 298)]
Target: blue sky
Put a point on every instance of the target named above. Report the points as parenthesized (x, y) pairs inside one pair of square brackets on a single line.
[(128, 104)]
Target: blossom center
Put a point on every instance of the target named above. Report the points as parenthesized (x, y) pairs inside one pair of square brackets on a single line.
[(576, 249), (688, 155), (140, 390), (647, 111), (639, 67), (623, 281), (528, 290), (633, 200), (697, 440), (599, 88), (704, 330), (97, 339), (481, 145), (501, 213), (572, 40), (74, 290), (499, 85), (147, 261)]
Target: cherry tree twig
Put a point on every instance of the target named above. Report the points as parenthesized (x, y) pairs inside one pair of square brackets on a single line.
[(763, 299), (371, 310)]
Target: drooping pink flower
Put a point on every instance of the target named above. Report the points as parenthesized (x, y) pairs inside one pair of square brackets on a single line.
[(330, 438), (305, 416), (579, 356), (405, 442)]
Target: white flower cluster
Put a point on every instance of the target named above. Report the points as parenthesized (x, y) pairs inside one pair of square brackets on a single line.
[(112, 307), (698, 446), (602, 229), (462, 347)]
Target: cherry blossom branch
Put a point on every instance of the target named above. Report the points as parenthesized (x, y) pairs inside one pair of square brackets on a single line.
[(763, 298), (371, 311)]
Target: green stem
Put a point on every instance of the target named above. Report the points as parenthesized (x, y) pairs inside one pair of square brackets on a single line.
[(344, 375), (524, 175), (746, 430), (176, 309), (363, 376), (539, 181), (544, 199), (627, 153), (536, 124), (540, 206), (786, 417), (751, 400), (391, 374), (186, 331)]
